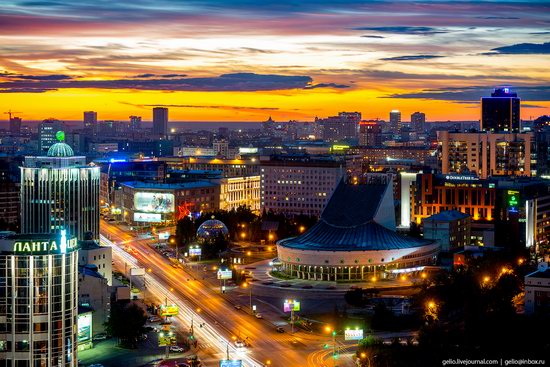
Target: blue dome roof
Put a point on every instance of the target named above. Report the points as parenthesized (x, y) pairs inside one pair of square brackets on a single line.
[(60, 150)]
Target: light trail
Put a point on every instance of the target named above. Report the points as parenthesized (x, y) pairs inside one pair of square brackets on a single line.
[(208, 332)]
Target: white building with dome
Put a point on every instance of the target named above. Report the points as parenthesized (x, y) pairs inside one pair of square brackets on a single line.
[(60, 191)]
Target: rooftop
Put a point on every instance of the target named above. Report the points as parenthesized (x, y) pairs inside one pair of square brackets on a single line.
[(448, 215), (168, 186)]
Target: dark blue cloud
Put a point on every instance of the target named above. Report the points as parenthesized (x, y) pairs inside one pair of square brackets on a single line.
[(474, 93), (424, 31), (524, 48), (35, 77), (246, 82), (498, 18), (372, 36), (411, 57)]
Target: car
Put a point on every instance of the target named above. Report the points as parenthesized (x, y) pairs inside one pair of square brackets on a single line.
[(259, 316), (143, 337), (154, 319), (176, 348), (239, 343), (238, 307), (100, 336), (280, 329)]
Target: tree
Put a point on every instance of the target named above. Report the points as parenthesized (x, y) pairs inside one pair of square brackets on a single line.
[(126, 322), (185, 231)]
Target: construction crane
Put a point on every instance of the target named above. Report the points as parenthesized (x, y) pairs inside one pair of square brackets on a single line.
[(10, 112)]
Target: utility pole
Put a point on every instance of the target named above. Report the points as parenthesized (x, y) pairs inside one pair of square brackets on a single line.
[(292, 319)]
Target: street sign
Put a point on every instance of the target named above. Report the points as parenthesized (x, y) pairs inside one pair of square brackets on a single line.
[(137, 271), (171, 310), (225, 274), (231, 363), (195, 251), (356, 334), (291, 305)]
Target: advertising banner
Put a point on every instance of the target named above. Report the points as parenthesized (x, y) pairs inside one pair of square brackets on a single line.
[(137, 271), (84, 328), (225, 274), (154, 202), (147, 217), (164, 235), (356, 334), (195, 251), (167, 339), (171, 310), (291, 305)]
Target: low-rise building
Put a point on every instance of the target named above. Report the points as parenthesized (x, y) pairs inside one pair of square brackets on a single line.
[(94, 292), (450, 228), (92, 253), (537, 290), (240, 191)]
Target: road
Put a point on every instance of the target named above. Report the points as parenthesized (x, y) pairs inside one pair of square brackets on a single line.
[(222, 322)]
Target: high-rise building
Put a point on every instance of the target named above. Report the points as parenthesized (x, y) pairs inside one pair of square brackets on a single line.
[(487, 154), (160, 121), (370, 134), (418, 120), (9, 193), (135, 122), (38, 300), (15, 125), (60, 192), (90, 120), (395, 120), (501, 111), (46, 133), (341, 127)]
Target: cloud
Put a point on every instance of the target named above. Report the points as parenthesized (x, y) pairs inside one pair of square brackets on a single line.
[(424, 31), (524, 48), (34, 77), (474, 93), (372, 36), (526, 105), (498, 17), (327, 85), (245, 82), (148, 75), (411, 57)]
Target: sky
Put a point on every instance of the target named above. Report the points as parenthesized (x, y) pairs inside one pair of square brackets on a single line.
[(246, 60)]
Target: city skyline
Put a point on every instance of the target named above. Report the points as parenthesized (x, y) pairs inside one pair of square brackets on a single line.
[(210, 61)]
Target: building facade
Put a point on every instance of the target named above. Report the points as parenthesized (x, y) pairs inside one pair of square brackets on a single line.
[(487, 154), (38, 300), (101, 257), (60, 192), (500, 112), (370, 134), (240, 191), (299, 184), (537, 291), (418, 121), (395, 121), (341, 127), (451, 228), (46, 134)]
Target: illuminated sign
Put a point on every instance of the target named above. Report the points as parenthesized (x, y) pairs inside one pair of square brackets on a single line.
[(147, 217), (154, 202), (356, 334), (45, 247), (244, 150), (167, 339), (171, 310), (513, 198), (116, 211), (461, 178), (195, 251), (84, 327), (164, 235), (340, 147), (291, 305), (231, 363), (225, 274)]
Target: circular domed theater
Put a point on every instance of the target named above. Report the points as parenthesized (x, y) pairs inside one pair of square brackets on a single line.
[(211, 229), (355, 239)]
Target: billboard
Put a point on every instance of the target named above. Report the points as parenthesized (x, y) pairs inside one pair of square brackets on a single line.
[(291, 305), (171, 310), (356, 334), (167, 339), (147, 217), (84, 327), (195, 251), (154, 202), (231, 363), (164, 235), (225, 274), (137, 271)]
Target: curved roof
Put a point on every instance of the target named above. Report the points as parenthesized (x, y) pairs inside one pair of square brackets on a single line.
[(212, 228), (60, 150), (366, 237), (348, 222)]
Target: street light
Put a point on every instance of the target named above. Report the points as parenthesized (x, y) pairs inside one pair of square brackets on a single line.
[(302, 229), (246, 285)]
